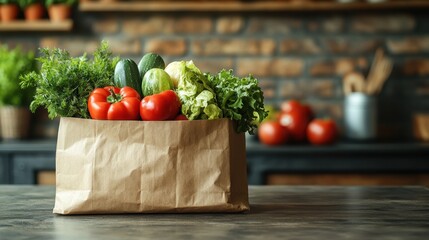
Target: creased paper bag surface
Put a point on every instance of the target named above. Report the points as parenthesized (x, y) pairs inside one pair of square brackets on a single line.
[(142, 167)]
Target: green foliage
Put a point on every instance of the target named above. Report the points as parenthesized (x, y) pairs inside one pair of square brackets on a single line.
[(68, 2), (64, 83), (14, 63), (272, 113), (197, 97), (25, 3), (8, 1), (241, 99)]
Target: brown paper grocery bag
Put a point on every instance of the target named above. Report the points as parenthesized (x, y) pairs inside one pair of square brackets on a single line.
[(105, 167)]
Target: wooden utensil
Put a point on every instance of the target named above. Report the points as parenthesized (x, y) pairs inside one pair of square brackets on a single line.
[(381, 68), (382, 71), (373, 71), (385, 69), (353, 82)]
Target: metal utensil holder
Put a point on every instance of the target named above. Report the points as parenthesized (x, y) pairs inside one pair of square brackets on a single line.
[(360, 116)]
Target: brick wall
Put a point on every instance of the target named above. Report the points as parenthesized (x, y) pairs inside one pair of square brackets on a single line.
[(295, 55)]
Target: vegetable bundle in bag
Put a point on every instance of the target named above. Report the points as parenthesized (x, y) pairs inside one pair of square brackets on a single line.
[(115, 163), (144, 167)]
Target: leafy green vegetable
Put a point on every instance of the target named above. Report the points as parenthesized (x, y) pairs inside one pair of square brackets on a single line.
[(64, 83), (197, 97), (52, 2), (8, 1), (13, 63), (25, 3), (272, 113), (241, 99)]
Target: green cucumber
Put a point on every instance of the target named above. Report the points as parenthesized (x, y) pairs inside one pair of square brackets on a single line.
[(127, 74), (155, 81), (149, 61)]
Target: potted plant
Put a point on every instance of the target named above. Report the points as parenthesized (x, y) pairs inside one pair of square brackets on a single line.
[(33, 9), (59, 10), (9, 10), (14, 101)]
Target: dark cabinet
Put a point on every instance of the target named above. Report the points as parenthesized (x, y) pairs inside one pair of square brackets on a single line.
[(4, 169), (20, 162), (25, 167), (340, 164)]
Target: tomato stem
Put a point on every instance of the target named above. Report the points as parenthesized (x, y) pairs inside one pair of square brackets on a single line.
[(114, 98)]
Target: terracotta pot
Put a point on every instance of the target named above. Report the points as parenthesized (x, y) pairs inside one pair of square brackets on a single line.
[(59, 12), (14, 122), (34, 12), (9, 12)]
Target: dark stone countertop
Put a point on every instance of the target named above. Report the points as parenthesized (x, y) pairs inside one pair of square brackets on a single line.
[(277, 212)]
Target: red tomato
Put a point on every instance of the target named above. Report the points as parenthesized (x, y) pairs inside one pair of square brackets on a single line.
[(162, 106), (294, 105), (290, 106), (272, 133), (181, 117), (322, 131), (296, 123), (308, 111), (112, 103)]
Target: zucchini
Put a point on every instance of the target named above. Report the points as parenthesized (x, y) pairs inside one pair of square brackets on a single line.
[(127, 74), (149, 61)]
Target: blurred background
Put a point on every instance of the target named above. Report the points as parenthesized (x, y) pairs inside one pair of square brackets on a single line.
[(316, 52)]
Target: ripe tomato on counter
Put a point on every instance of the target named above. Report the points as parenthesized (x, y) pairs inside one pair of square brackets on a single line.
[(296, 123), (290, 106), (322, 131), (294, 105)]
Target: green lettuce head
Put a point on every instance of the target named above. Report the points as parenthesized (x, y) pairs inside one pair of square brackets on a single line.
[(197, 97)]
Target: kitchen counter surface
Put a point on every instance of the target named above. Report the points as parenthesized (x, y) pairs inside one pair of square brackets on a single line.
[(277, 212)]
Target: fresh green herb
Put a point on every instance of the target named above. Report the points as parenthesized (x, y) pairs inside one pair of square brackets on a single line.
[(197, 97), (13, 63), (67, 2), (241, 99), (25, 3), (64, 83), (8, 1)]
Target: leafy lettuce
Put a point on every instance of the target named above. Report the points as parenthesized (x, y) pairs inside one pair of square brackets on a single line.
[(241, 99), (206, 96), (197, 97)]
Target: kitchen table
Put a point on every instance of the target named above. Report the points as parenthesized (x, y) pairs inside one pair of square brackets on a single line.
[(277, 212)]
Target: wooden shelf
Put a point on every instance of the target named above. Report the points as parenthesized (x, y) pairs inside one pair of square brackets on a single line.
[(237, 6), (36, 26)]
